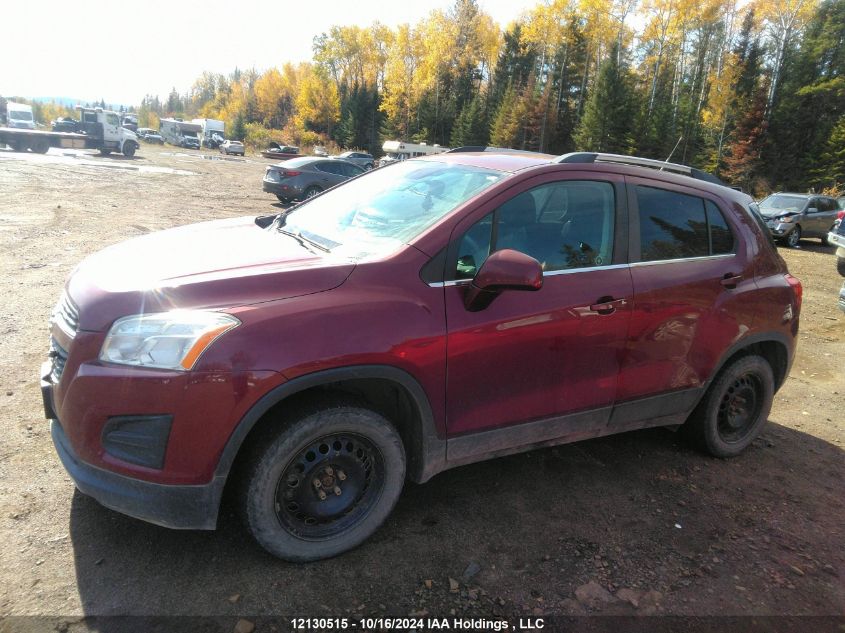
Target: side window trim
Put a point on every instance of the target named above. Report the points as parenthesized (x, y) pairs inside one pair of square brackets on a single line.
[(620, 257)]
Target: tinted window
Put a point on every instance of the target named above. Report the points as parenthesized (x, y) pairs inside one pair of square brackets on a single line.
[(721, 238), (562, 225), (672, 225), (330, 168)]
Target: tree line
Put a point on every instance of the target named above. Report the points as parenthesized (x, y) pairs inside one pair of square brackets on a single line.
[(752, 91)]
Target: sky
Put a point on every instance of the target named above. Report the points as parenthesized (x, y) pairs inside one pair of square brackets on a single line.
[(151, 46)]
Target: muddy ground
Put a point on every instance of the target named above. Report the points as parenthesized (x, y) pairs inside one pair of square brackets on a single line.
[(555, 531)]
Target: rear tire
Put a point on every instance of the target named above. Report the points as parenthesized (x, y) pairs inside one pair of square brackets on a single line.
[(322, 482), (282, 199), (734, 409), (40, 146), (840, 265)]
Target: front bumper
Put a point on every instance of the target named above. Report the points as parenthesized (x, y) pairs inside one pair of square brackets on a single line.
[(172, 506), (780, 229), (838, 240)]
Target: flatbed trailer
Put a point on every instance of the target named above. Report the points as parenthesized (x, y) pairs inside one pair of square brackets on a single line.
[(101, 130), (40, 141)]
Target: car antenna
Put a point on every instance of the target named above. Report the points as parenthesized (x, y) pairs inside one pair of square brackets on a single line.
[(680, 138)]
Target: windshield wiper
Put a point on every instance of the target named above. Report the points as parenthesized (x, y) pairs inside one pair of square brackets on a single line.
[(303, 241)]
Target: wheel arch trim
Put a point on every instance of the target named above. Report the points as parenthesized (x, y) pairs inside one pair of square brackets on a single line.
[(431, 448)]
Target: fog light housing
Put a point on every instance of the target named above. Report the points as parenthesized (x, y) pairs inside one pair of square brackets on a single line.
[(138, 439)]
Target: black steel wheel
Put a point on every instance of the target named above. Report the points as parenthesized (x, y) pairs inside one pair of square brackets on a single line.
[(322, 480), (329, 486), (734, 409)]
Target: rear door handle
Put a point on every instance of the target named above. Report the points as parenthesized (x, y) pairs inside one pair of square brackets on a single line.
[(607, 305), (730, 280)]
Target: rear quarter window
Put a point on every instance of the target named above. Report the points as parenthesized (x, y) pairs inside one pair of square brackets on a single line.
[(679, 226)]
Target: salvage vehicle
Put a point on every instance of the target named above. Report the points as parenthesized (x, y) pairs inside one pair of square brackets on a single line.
[(794, 216), (836, 238), (443, 311), (97, 129), (232, 147), (64, 124), (306, 177), (281, 152)]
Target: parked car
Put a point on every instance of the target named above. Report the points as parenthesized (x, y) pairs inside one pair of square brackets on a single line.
[(366, 161), (281, 152), (443, 311), (232, 147), (302, 178), (189, 142), (150, 135), (837, 238), (794, 216), (65, 124)]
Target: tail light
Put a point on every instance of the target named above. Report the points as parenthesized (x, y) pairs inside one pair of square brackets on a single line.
[(797, 289), (289, 173), (840, 215)]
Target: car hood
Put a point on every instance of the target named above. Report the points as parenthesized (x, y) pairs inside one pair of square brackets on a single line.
[(210, 265)]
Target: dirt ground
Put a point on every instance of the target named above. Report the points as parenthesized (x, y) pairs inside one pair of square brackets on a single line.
[(632, 524)]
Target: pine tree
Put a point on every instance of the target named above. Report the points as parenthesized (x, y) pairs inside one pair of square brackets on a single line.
[(607, 124)]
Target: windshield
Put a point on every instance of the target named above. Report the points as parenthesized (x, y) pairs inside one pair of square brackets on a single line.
[(383, 209), (20, 115), (780, 203)]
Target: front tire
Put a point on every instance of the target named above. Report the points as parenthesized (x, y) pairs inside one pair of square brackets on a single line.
[(129, 150), (311, 192), (324, 482), (734, 409), (794, 237)]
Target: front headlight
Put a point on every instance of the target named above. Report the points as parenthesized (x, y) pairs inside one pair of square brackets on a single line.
[(787, 219), (166, 340)]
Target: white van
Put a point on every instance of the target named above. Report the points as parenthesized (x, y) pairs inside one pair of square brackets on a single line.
[(19, 115)]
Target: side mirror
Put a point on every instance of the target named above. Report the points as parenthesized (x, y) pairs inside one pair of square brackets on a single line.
[(504, 270)]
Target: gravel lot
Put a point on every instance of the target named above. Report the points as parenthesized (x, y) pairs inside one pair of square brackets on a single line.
[(632, 524)]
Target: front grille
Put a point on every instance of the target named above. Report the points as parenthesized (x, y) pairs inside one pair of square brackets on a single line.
[(58, 357), (66, 315)]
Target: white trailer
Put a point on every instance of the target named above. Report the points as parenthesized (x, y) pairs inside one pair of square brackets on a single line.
[(175, 131), (400, 150), (213, 132)]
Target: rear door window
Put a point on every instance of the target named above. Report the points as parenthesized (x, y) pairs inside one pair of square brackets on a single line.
[(678, 226)]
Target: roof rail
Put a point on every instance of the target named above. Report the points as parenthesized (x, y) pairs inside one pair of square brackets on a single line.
[(489, 148), (597, 157)]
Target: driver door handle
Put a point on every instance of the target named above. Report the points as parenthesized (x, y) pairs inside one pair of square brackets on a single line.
[(730, 280), (607, 305)]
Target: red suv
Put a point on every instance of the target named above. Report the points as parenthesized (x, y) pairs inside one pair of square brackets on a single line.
[(436, 312)]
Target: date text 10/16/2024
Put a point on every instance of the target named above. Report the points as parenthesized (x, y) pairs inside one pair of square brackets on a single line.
[(417, 624)]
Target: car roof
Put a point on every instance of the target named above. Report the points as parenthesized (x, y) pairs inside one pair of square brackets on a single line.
[(512, 161)]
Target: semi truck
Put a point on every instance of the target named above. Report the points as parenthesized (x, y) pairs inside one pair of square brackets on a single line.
[(175, 131), (97, 129), (212, 132)]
